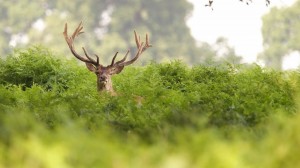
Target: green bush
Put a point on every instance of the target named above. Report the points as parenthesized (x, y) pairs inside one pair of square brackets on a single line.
[(155, 96), (164, 114), (37, 65)]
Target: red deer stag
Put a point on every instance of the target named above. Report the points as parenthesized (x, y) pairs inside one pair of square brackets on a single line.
[(104, 73)]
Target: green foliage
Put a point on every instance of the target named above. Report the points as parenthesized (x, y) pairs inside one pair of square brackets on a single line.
[(164, 114), (38, 66)]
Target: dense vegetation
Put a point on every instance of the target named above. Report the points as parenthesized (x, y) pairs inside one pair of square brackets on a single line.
[(165, 115)]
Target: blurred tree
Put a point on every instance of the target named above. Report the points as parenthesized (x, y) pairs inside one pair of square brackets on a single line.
[(226, 52), (16, 19), (165, 22), (280, 30), (218, 52), (109, 26), (210, 2), (60, 12)]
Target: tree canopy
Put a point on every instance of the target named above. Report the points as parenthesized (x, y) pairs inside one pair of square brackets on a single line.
[(210, 2), (280, 30), (108, 25)]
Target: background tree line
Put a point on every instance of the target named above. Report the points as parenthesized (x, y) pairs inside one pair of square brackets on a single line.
[(109, 26), (280, 30)]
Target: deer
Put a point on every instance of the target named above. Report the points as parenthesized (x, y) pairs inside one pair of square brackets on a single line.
[(104, 73)]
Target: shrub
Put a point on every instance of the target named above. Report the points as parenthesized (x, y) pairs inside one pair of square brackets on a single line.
[(37, 65), (164, 114)]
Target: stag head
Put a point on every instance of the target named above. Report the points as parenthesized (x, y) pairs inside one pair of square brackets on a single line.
[(104, 73)]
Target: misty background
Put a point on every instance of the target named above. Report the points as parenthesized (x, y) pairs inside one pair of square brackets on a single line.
[(109, 25)]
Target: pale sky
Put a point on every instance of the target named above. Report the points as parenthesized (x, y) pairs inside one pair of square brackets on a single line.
[(238, 22)]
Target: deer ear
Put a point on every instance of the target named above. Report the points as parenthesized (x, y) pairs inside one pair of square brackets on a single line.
[(90, 67), (119, 69)]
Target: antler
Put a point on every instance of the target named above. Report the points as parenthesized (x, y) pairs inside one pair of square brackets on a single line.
[(141, 48), (70, 40), (119, 65)]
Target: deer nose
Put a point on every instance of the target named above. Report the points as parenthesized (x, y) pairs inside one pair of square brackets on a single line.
[(102, 78)]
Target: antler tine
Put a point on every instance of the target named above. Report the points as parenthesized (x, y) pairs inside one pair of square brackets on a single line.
[(70, 40), (113, 60), (137, 39), (78, 30), (141, 46), (147, 45), (91, 59), (147, 41), (124, 59), (139, 52), (66, 30), (97, 58)]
